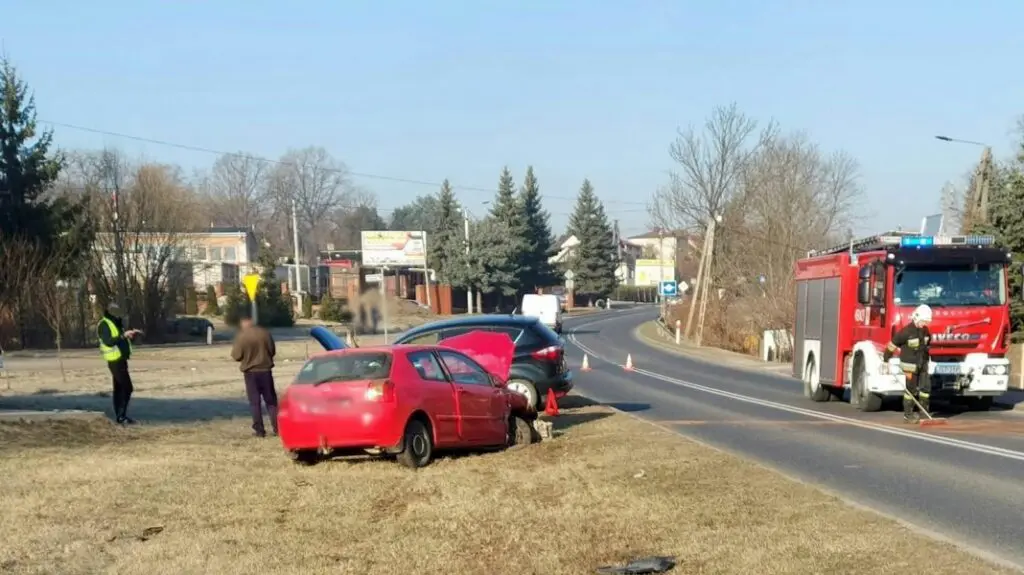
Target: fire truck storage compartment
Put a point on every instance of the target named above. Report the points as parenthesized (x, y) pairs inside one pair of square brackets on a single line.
[(817, 318)]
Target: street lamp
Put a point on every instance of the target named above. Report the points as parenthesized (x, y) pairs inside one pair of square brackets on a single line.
[(978, 204)]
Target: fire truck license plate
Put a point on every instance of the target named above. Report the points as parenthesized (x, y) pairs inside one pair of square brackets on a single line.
[(947, 368)]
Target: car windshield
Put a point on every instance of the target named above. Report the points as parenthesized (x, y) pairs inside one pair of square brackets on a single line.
[(345, 367), (967, 285)]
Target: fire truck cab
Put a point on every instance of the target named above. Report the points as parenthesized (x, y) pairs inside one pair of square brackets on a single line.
[(851, 299)]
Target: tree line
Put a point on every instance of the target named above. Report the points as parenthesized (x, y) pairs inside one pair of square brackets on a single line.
[(509, 251), (80, 228)]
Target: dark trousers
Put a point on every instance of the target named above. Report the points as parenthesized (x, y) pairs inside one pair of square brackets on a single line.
[(123, 388), (259, 388), (919, 386)]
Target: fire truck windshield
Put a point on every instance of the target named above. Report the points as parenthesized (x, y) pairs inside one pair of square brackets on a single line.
[(943, 285)]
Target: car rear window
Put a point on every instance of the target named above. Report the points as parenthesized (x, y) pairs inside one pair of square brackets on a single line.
[(547, 334), (351, 366)]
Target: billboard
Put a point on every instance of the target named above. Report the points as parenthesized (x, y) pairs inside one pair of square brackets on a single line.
[(395, 249), (652, 272)]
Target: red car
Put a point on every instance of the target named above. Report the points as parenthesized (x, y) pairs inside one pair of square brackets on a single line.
[(405, 401)]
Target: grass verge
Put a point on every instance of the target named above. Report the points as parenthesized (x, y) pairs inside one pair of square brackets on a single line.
[(85, 497)]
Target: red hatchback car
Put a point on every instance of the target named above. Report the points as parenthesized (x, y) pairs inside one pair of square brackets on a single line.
[(405, 401)]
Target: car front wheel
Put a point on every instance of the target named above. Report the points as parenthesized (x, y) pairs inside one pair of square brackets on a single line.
[(520, 432)]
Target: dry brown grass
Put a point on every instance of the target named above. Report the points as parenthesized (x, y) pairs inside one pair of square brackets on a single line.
[(202, 497)]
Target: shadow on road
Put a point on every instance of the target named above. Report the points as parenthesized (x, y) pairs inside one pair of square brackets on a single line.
[(145, 409)]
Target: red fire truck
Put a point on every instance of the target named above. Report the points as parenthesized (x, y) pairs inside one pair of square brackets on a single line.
[(852, 298)]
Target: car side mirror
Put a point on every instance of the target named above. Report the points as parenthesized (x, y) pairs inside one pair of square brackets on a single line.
[(496, 382)]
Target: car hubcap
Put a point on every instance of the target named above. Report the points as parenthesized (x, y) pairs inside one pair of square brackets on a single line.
[(520, 389), (419, 445)]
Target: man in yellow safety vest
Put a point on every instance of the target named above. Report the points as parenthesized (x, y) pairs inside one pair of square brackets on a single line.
[(116, 347)]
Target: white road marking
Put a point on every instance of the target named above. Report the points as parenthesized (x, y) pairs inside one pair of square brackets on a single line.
[(947, 441)]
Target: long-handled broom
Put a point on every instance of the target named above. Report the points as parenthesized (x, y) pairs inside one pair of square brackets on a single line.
[(930, 421)]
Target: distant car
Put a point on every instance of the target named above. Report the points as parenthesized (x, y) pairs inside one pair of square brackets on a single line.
[(539, 361), (545, 307), (189, 325), (405, 401)]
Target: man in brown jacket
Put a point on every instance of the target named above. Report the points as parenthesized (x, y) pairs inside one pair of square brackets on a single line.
[(254, 349)]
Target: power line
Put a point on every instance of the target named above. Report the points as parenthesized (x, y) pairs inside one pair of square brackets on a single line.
[(364, 175)]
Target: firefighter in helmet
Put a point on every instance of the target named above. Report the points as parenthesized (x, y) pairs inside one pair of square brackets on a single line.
[(912, 342)]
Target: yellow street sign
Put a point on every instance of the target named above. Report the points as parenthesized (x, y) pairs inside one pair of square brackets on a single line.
[(252, 284)]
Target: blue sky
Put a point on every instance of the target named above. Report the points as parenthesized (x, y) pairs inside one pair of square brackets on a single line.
[(434, 89)]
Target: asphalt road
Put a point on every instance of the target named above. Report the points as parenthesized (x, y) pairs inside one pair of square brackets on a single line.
[(962, 481)]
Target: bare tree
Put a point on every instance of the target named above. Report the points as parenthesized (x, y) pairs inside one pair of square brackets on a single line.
[(794, 197), (952, 201), (19, 262), (54, 290), (709, 169), (316, 182), (236, 187), (155, 213)]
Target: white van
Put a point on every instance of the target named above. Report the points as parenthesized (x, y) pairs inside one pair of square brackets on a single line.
[(545, 307)]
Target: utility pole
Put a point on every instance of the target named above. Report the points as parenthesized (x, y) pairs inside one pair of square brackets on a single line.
[(469, 289), (708, 263), (976, 204), (295, 241), (697, 286), (426, 271), (982, 182), (119, 258), (661, 268)]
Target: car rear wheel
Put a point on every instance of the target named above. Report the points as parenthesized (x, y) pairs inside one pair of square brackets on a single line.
[(305, 457), (526, 389), (520, 432), (417, 446)]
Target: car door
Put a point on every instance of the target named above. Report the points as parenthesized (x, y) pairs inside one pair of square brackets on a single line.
[(439, 397), (480, 402)]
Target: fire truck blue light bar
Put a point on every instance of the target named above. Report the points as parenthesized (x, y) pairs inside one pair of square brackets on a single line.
[(930, 241)]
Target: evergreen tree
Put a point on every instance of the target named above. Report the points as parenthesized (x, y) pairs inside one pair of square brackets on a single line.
[(274, 309), (212, 307), (539, 243), (507, 215), (28, 170), (448, 231), (191, 301), (594, 259)]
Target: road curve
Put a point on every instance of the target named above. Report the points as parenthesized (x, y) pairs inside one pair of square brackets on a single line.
[(961, 481)]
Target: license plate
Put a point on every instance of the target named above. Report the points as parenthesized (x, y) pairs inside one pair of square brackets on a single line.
[(947, 368)]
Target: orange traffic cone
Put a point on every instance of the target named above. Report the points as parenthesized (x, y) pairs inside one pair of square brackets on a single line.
[(629, 362), (551, 407), (586, 363)]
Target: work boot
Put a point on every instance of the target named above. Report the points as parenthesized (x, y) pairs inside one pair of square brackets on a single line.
[(908, 412)]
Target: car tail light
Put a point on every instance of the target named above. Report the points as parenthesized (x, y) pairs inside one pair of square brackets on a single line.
[(380, 391), (551, 353)]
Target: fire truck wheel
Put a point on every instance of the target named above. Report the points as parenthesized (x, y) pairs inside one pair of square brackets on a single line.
[(980, 403), (860, 397), (813, 391)]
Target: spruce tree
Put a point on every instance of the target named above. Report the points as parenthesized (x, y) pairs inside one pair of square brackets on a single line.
[(539, 243), (274, 309), (594, 259), (28, 169), (448, 232), (506, 214)]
